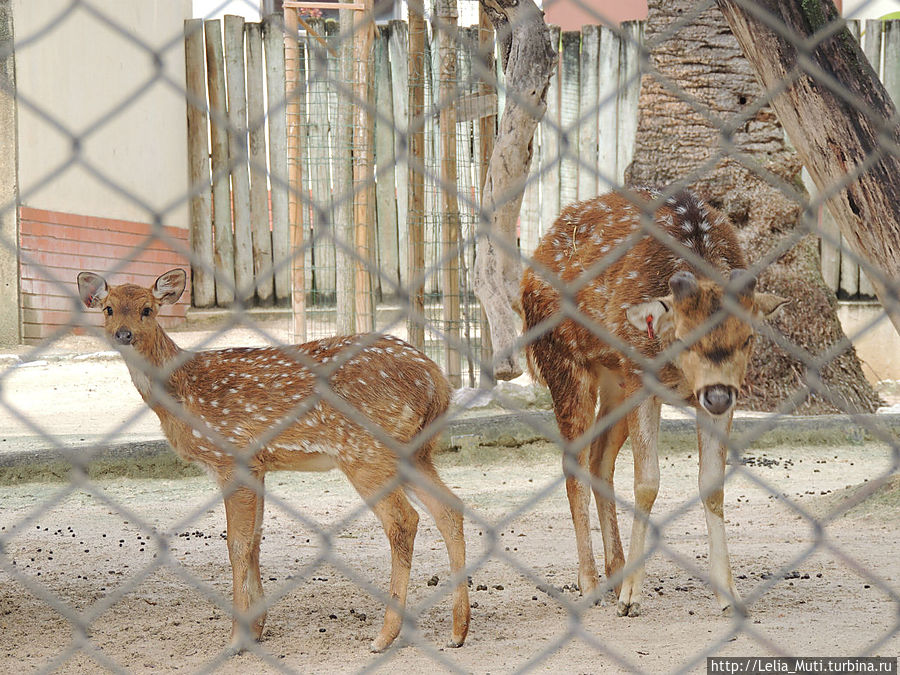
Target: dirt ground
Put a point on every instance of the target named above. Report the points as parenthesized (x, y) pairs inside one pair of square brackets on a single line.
[(93, 555)]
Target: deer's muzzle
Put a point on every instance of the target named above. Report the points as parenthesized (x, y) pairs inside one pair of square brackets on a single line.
[(124, 336), (717, 399)]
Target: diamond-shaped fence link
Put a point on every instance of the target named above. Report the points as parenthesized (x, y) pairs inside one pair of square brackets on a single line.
[(335, 161)]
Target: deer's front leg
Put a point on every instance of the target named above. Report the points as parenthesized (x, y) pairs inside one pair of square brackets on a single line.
[(643, 428), (244, 515), (711, 434)]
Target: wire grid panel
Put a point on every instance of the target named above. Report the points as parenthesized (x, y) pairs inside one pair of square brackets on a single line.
[(377, 403)]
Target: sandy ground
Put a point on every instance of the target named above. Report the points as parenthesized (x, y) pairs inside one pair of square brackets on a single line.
[(92, 555)]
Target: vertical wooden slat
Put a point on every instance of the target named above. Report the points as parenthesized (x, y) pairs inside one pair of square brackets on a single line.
[(587, 109), (398, 52), (468, 165), (385, 189), (872, 49), (283, 94), (416, 211), (608, 114), (363, 161), (318, 122), (287, 227), (629, 92), (891, 74), (203, 292), (872, 43), (433, 162), (260, 226), (221, 188), (447, 96), (570, 81), (487, 128), (342, 167), (238, 155), (549, 148), (829, 253)]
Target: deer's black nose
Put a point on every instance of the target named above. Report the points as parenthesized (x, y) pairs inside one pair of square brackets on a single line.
[(717, 399), (124, 336)]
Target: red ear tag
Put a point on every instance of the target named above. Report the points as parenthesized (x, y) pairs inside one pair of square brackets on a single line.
[(650, 333)]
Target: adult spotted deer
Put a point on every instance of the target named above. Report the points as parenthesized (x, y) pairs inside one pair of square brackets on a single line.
[(362, 404), (651, 299)]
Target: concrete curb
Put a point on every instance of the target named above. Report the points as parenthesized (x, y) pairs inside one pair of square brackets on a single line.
[(503, 429)]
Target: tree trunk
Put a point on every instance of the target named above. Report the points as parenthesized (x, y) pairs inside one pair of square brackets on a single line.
[(838, 116), (704, 85), (528, 59)]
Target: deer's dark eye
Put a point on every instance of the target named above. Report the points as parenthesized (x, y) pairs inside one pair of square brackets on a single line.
[(748, 341), (108, 311), (146, 311)]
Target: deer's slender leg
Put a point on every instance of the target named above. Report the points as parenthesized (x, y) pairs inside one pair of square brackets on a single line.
[(400, 522), (446, 509), (243, 516), (603, 465), (643, 428), (574, 400), (711, 431)]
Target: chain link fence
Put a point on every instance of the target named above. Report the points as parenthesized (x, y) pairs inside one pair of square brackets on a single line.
[(335, 186)]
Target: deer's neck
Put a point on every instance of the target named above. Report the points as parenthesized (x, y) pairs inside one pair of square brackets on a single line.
[(152, 368)]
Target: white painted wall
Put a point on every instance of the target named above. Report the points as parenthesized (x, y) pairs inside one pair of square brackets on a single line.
[(80, 75), (216, 9), (869, 9)]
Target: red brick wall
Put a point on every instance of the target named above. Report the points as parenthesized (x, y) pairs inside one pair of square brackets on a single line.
[(55, 247)]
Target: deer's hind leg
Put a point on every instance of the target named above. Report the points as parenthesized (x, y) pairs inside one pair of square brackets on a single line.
[(446, 509), (400, 522), (574, 393), (604, 451), (244, 506)]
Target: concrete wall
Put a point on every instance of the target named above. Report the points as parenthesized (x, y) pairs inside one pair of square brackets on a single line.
[(89, 73), (875, 338), (9, 258)]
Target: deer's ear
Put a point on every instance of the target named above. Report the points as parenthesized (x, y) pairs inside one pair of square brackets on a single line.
[(93, 289), (768, 304), (656, 314), (169, 286)]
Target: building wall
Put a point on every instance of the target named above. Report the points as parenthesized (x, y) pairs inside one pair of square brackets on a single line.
[(102, 147), (56, 246), (574, 14), (79, 76)]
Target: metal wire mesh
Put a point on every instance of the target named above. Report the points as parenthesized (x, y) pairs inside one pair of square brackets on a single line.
[(151, 552)]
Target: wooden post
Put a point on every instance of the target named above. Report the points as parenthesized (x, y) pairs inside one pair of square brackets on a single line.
[(342, 167), (587, 108), (203, 292), (487, 130), (398, 48), (221, 189), (260, 225), (293, 173), (416, 211), (319, 121), (238, 156), (570, 83), (385, 159), (629, 92), (447, 100), (549, 148), (363, 193), (284, 93), (608, 119)]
